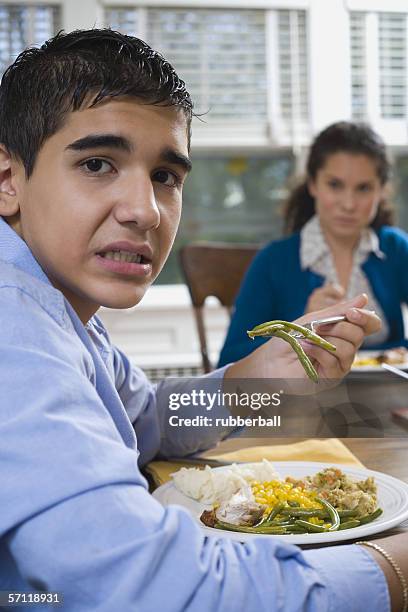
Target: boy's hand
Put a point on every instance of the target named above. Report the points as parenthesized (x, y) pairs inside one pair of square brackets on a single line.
[(276, 359)]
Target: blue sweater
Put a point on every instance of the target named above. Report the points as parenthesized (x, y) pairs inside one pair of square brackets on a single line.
[(276, 287)]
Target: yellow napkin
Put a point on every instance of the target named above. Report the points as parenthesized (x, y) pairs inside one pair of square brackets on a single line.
[(329, 450)]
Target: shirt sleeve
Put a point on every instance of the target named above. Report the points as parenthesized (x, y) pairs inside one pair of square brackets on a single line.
[(352, 577), (147, 406), (76, 516)]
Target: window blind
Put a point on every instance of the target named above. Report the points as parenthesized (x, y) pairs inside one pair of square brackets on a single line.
[(358, 57), (221, 55), (392, 32), (22, 26), (123, 20), (381, 62), (293, 64)]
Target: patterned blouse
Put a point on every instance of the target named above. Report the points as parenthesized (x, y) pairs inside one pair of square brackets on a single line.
[(315, 254)]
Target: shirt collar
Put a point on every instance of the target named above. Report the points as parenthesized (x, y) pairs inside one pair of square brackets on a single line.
[(313, 246), (14, 250), (370, 243)]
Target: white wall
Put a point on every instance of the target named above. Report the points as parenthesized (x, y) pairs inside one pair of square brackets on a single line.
[(329, 63)]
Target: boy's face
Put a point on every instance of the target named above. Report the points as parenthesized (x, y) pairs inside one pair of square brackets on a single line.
[(101, 209)]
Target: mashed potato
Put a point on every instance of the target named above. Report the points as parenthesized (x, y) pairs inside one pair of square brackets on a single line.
[(215, 486)]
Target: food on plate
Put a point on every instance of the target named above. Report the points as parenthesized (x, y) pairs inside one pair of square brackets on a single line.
[(283, 329), (324, 502), (341, 491), (241, 509), (393, 356), (214, 486)]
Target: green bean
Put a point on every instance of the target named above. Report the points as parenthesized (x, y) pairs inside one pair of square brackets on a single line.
[(267, 332), (294, 525), (273, 530), (349, 524), (275, 511), (347, 513), (334, 515), (265, 327), (281, 330), (268, 518), (370, 517), (269, 328), (294, 529), (248, 529), (293, 504), (310, 526), (362, 520), (303, 358), (277, 523), (319, 513), (231, 527)]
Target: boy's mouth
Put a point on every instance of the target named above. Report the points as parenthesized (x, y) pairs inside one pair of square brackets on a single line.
[(126, 258), (127, 252)]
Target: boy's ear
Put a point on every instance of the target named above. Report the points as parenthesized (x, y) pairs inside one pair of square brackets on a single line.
[(9, 204)]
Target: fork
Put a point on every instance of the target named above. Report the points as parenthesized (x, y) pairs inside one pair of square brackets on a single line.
[(312, 324), (394, 370)]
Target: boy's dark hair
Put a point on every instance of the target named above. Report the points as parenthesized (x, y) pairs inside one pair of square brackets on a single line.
[(340, 137), (44, 84)]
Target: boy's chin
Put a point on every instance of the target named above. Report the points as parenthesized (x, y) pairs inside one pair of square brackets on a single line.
[(124, 301)]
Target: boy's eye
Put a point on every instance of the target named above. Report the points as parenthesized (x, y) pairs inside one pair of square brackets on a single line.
[(97, 166), (166, 178)]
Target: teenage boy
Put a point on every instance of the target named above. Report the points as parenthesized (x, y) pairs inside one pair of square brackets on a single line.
[(95, 132)]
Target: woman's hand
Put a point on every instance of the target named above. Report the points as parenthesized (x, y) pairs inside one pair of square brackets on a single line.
[(324, 296), (276, 359)]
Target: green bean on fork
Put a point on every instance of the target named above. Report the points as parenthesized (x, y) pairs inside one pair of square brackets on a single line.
[(282, 329)]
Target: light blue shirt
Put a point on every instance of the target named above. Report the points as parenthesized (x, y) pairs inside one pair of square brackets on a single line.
[(75, 513)]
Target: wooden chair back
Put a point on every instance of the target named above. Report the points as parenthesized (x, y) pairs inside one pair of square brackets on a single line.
[(213, 269)]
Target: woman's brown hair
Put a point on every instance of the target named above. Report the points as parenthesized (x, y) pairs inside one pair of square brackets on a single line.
[(348, 137)]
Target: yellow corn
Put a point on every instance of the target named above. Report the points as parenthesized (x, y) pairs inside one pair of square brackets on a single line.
[(275, 491)]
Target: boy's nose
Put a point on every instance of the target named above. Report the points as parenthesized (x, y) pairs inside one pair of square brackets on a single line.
[(139, 206)]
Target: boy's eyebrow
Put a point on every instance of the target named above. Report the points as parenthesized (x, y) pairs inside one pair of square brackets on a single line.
[(174, 157), (94, 141)]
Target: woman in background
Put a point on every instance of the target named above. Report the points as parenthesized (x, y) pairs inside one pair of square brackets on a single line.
[(341, 244)]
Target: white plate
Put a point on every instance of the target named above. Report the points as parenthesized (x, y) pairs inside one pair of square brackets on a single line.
[(392, 498), (375, 368)]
